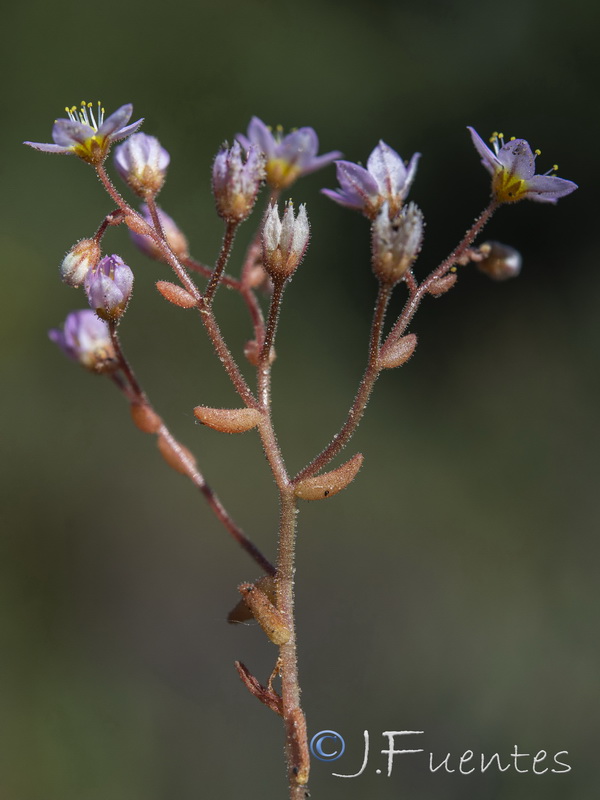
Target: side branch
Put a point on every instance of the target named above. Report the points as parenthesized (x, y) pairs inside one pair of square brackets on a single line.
[(341, 439), (176, 454)]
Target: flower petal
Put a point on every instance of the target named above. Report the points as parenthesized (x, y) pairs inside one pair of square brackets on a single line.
[(516, 156), (259, 134), (124, 132), (68, 132), (116, 120), (387, 168), (548, 188), (49, 148), (488, 159), (299, 147), (411, 171), (356, 180), (322, 161)]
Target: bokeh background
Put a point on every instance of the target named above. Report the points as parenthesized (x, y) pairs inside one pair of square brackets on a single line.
[(453, 589)]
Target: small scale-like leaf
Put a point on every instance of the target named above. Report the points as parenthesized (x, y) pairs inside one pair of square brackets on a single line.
[(176, 455), (176, 294), (266, 695), (321, 486), (398, 352), (228, 420), (270, 619), (241, 612), (145, 418), (443, 285)]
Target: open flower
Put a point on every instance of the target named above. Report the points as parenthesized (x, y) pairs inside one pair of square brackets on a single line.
[(86, 339), (385, 180), (512, 167), (288, 157), (142, 163), (87, 137)]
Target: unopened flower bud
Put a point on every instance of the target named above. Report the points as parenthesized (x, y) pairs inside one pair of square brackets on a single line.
[(80, 259), (175, 238), (396, 242), (86, 339), (142, 163), (500, 261), (236, 182), (284, 241), (108, 287)]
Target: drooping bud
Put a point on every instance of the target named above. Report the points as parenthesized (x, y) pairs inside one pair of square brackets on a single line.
[(176, 294), (398, 352), (80, 259), (228, 420), (174, 236), (500, 261), (142, 163), (320, 487), (396, 242), (108, 287), (270, 619), (86, 339), (252, 352), (442, 285), (284, 241), (236, 182)]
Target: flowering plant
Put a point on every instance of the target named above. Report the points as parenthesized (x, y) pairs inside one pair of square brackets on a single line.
[(379, 192)]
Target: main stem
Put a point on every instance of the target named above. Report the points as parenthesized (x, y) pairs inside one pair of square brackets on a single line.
[(296, 746)]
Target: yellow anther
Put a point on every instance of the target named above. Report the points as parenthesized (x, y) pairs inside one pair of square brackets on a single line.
[(555, 168), (501, 136), (512, 138), (538, 152)]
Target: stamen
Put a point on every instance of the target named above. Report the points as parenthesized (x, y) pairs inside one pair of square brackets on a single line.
[(538, 152)]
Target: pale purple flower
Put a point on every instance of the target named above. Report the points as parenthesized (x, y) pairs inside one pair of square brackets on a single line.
[(87, 137), (284, 241), (142, 163), (175, 237), (512, 167), (288, 157), (108, 287), (86, 338), (385, 180), (236, 181)]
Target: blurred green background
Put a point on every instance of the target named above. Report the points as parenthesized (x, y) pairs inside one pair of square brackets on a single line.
[(453, 589)]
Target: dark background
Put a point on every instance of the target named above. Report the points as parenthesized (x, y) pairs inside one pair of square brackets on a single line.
[(453, 588)]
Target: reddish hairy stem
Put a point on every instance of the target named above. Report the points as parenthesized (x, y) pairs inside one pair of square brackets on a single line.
[(217, 273), (417, 292), (365, 388)]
